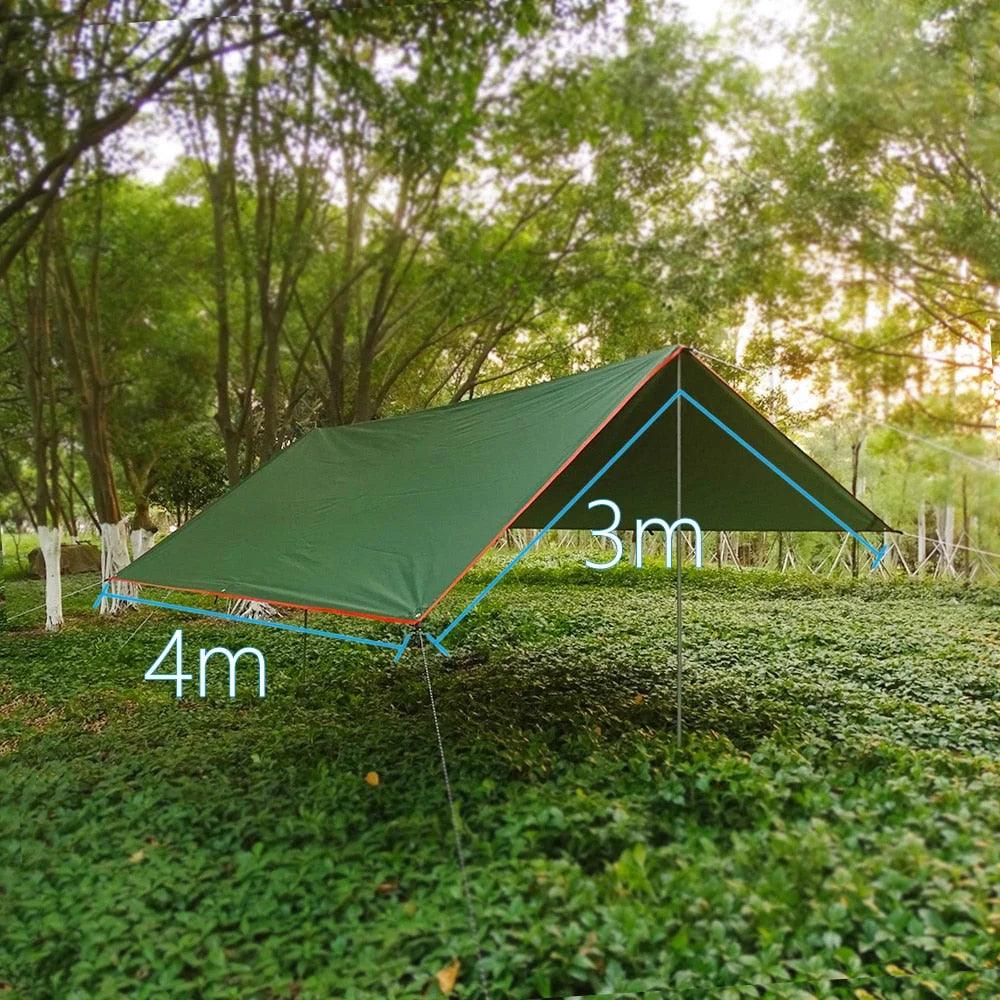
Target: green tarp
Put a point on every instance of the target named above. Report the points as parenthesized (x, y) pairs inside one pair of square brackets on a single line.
[(381, 519)]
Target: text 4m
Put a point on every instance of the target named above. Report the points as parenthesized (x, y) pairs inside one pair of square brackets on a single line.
[(176, 643), (641, 527)]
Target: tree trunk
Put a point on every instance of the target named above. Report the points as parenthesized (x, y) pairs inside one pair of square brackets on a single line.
[(949, 538), (855, 461), (70, 512), (35, 340), (114, 558), (143, 529), (50, 542), (77, 310), (141, 541), (889, 561), (921, 536), (111, 524), (965, 539)]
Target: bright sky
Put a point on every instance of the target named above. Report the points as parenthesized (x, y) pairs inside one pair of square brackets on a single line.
[(708, 14)]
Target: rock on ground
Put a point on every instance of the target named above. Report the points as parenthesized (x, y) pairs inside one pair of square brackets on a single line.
[(78, 558)]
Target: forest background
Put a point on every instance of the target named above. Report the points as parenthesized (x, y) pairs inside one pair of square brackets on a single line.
[(224, 224)]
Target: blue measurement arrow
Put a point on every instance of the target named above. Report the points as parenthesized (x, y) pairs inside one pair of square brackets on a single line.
[(437, 640), (402, 647), (398, 647), (878, 553)]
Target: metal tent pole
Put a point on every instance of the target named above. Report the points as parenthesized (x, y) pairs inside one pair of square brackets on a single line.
[(679, 552)]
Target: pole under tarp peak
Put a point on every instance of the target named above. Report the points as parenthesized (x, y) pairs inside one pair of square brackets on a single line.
[(678, 542)]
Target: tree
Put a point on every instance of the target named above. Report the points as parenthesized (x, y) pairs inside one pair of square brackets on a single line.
[(75, 74), (254, 134), (884, 172), (77, 269), (192, 474), (408, 210), (27, 321), (158, 353)]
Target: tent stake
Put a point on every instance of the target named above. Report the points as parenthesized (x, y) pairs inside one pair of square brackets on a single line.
[(679, 556)]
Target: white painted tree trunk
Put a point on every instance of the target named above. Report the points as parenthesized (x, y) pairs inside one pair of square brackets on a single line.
[(949, 537), (253, 609), (789, 561), (142, 540), (114, 558), (921, 536), (50, 542), (889, 559)]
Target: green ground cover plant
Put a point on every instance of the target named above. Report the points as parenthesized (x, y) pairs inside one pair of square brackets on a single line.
[(829, 827)]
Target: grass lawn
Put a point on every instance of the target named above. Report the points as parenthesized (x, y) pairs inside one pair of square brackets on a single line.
[(15, 554), (830, 828)]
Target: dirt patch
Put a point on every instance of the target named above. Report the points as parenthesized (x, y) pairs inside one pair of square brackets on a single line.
[(21, 701), (95, 725), (43, 721)]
